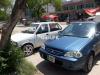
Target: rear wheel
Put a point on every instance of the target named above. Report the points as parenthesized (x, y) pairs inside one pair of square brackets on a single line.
[(28, 49), (89, 63)]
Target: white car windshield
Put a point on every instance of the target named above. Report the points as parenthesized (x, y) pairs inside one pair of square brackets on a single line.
[(31, 29)]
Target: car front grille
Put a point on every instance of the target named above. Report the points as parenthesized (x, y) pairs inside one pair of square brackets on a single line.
[(55, 51)]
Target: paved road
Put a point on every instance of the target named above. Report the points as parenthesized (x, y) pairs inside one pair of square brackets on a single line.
[(45, 68)]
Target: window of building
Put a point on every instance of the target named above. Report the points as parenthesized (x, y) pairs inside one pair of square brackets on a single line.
[(71, 7), (89, 5), (65, 8), (92, 5), (79, 7)]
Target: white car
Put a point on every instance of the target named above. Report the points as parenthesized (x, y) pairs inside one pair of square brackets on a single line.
[(35, 36)]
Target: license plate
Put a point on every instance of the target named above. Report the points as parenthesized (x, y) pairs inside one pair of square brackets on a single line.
[(51, 58)]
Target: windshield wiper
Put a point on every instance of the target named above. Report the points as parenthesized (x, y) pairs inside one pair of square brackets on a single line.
[(66, 35), (75, 36), (82, 36)]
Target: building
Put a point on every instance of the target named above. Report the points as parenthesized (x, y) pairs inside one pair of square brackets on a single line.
[(49, 8), (74, 9)]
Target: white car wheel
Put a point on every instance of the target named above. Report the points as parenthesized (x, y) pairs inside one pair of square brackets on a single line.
[(28, 49)]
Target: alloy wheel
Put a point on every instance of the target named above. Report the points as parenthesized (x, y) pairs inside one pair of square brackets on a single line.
[(28, 49)]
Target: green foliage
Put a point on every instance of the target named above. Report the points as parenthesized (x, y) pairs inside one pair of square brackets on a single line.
[(58, 4), (12, 62), (3, 16), (26, 68), (5, 3), (37, 6), (10, 57)]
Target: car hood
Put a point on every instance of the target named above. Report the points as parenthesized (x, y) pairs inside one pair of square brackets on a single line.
[(69, 43), (21, 36)]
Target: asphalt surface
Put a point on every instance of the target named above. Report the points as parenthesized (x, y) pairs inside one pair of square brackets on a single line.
[(46, 68)]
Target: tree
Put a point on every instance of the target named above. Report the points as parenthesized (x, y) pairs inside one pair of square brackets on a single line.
[(4, 6), (5, 3), (36, 6), (57, 4), (11, 58), (7, 29)]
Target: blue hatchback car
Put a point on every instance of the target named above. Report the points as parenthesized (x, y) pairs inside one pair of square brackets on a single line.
[(75, 47)]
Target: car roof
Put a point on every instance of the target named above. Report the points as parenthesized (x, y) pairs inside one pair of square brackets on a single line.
[(43, 22)]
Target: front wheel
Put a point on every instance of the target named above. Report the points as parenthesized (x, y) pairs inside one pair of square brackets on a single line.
[(89, 63), (28, 49)]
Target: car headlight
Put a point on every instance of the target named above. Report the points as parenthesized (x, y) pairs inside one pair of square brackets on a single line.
[(43, 46), (75, 54)]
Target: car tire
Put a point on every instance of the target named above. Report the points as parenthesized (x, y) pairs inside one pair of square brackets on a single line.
[(28, 49), (89, 63)]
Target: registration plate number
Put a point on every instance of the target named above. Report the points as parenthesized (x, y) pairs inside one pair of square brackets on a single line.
[(51, 58)]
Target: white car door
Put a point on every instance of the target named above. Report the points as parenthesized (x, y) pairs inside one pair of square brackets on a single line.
[(54, 29), (42, 34)]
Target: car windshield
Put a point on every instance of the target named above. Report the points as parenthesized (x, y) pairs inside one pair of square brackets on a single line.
[(79, 30), (31, 29)]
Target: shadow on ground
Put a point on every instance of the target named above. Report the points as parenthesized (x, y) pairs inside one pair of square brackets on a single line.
[(50, 69)]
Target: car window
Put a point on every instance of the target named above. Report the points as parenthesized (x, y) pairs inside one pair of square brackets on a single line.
[(31, 29), (54, 27), (43, 29)]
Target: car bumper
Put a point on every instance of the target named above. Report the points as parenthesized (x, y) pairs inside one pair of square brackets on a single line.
[(67, 63)]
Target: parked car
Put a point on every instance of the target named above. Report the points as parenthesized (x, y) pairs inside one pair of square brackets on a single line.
[(76, 47), (26, 21), (90, 18), (35, 36)]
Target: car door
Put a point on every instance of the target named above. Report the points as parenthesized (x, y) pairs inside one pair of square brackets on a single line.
[(97, 45), (42, 34), (54, 29)]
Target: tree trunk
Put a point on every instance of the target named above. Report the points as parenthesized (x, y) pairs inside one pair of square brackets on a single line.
[(7, 29)]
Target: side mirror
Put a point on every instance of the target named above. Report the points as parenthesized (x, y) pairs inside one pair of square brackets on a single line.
[(59, 32)]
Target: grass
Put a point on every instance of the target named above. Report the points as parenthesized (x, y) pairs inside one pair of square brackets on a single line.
[(26, 68)]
